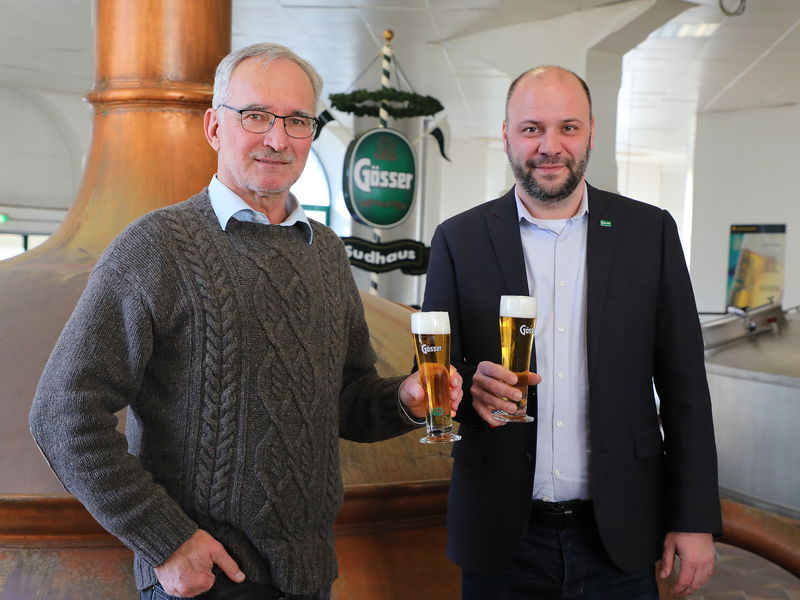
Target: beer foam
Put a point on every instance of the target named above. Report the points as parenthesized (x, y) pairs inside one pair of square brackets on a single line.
[(519, 307), (430, 322)]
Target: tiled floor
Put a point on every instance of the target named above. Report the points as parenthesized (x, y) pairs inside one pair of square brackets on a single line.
[(741, 575)]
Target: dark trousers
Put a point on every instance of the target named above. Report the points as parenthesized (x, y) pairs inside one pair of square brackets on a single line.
[(555, 563), (225, 589)]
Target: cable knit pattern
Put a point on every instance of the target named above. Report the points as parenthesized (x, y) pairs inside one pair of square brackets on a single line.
[(220, 373), (242, 355)]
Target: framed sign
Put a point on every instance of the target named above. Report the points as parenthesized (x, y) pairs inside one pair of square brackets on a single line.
[(380, 172), (755, 265)]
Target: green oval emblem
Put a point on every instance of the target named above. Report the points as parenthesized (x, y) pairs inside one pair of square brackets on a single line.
[(380, 172)]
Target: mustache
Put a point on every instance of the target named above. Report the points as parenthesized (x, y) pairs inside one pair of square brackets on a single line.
[(548, 160), (272, 155)]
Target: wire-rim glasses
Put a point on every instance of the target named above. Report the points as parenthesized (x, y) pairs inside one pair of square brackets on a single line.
[(261, 121)]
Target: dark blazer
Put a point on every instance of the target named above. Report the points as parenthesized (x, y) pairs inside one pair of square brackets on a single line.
[(642, 329)]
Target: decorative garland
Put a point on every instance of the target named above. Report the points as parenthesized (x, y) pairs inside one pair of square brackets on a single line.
[(399, 104)]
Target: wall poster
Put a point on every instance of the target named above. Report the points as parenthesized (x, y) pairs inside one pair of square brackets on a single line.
[(755, 265)]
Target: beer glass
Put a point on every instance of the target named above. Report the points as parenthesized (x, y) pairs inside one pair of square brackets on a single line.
[(517, 322), (431, 333)]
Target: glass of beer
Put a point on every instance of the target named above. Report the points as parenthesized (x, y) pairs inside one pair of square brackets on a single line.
[(431, 333), (517, 322)]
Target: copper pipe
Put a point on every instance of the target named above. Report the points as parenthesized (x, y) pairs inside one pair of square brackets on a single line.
[(154, 65), (766, 534)]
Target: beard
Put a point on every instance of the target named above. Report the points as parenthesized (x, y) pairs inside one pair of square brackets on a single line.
[(523, 173)]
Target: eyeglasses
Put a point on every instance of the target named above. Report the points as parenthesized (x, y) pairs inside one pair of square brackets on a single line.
[(261, 121)]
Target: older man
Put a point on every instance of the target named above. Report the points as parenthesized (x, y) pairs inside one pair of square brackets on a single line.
[(580, 503), (231, 328)]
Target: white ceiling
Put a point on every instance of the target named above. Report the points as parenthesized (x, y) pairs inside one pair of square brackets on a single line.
[(750, 60)]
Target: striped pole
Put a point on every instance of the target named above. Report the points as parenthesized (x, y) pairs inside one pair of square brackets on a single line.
[(386, 72), (383, 117)]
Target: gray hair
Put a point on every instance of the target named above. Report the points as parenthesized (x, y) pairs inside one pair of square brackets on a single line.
[(264, 53)]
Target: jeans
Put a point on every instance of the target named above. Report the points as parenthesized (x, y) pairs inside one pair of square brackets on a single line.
[(561, 564), (225, 589)]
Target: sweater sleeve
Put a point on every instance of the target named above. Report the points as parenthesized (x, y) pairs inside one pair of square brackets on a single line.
[(95, 370)]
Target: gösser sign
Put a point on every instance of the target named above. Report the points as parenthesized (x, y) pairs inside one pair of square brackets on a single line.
[(380, 172)]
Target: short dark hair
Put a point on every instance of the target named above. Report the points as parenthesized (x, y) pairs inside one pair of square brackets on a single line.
[(514, 83)]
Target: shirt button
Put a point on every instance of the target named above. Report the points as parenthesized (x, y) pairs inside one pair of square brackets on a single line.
[(561, 283), (557, 473), (561, 329), (559, 423), (560, 375)]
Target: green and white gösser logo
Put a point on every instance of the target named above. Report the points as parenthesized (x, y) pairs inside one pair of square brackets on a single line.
[(380, 172)]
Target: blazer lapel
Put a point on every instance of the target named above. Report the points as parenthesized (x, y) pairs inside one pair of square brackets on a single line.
[(599, 259), (503, 223)]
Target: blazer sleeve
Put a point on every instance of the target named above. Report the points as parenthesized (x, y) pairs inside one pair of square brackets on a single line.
[(685, 405)]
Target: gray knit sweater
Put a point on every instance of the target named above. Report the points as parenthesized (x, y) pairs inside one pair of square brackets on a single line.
[(242, 356)]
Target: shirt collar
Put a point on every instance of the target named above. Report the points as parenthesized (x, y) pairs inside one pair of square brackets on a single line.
[(523, 213), (228, 205)]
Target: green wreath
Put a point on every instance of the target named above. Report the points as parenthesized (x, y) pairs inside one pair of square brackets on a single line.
[(399, 104)]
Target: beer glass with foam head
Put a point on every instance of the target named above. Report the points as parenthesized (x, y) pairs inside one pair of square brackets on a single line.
[(431, 333), (517, 322)]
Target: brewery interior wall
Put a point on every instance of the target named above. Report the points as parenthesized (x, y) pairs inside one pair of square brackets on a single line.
[(42, 151), (744, 173)]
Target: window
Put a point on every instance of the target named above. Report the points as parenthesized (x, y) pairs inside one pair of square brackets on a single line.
[(12, 244), (312, 190)]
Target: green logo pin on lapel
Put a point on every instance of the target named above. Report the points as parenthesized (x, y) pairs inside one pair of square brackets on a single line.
[(604, 223)]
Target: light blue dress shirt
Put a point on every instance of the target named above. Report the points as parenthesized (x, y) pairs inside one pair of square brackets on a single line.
[(555, 261), (228, 205)]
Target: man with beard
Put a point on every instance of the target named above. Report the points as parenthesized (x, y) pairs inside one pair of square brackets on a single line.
[(232, 329), (583, 501)]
